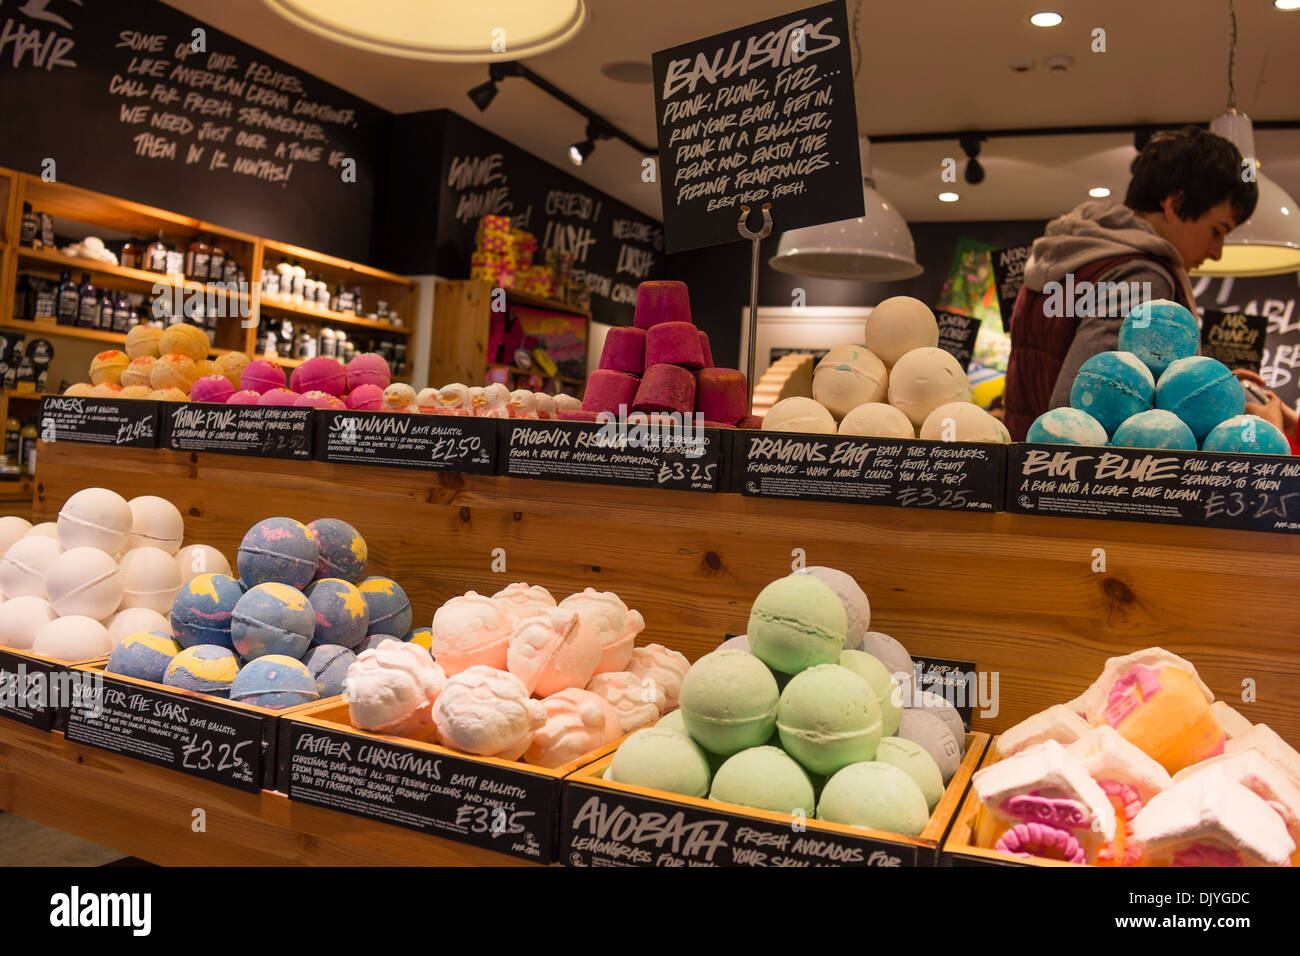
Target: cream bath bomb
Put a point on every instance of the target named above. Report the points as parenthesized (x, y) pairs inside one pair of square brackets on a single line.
[(577, 722), (391, 689), (889, 694), (797, 622), (155, 523), (143, 341), (95, 518), (764, 778), (602, 613), (73, 638), (637, 702), (729, 701), (663, 667), (469, 631), (521, 601), (847, 377), (661, 759), (552, 651), (12, 528), (23, 568), (878, 796), (828, 718), (21, 618), (897, 326), (924, 379), (199, 559), (877, 420), (135, 619), (150, 579), (86, 582), (487, 712), (857, 609), (108, 367), (963, 421), (46, 529), (799, 414)]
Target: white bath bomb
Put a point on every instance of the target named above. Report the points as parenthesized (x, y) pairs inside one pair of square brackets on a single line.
[(877, 420), (962, 421), (924, 379), (46, 529), (856, 606), (847, 377), (150, 579), (196, 559), (21, 618), (73, 638), (12, 528), (899, 325), (95, 518), (84, 581), (799, 415), (134, 620), (23, 568), (155, 523)]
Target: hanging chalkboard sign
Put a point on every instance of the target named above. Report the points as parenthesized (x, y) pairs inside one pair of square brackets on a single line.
[(396, 440), (132, 423), (1234, 338), (1009, 276), (266, 431), (761, 114), (957, 335)]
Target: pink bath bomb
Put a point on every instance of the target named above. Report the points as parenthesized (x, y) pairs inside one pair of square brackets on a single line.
[(278, 396), (366, 398), (624, 351), (666, 388), (211, 388), (607, 390), (321, 374), (709, 424), (704, 347), (751, 422), (368, 369), (661, 301), (674, 343), (318, 400), (579, 415), (244, 397), (261, 375), (721, 394)]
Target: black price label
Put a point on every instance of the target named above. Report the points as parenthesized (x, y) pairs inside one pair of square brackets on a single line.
[(400, 440), (32, 691), (686, 458), (957, 682), (957, 335), (506, 810), (956, 476), (267, 431), (604, 827), (1205, 489), (208, 739), (100, 421), (1235, 339)]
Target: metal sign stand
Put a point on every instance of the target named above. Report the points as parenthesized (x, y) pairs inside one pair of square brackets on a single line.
[(755, 238)]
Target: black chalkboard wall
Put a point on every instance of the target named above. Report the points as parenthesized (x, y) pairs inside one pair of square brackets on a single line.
[(116, 96)]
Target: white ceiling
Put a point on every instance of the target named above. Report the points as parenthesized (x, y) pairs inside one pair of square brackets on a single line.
[(926, 65)]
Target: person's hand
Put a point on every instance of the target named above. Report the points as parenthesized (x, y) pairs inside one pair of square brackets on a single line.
[(1273, 413)]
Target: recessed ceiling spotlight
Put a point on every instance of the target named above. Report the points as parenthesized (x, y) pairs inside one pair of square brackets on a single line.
[(1022, 64), (948, 197), (1287, 5), (1046, 18), (1098, 192)]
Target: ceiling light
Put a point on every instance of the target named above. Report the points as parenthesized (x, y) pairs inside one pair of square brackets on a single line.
[(1046, 19), (1098, 192), (478, 32), (1287, 5), (483, 94), (579, 152), (948, 197)]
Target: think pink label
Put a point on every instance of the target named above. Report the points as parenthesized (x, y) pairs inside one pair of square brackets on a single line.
[(1066, 814), (1140, 684)]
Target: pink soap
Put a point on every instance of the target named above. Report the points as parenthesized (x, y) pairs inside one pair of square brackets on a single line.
[(318, 399), (674, 343), (211, 388), (721, 394), (607, 390), (709, 424), (368, 368), (320, 374), (751, 422), (278, 396), (246, 397), (366, 398), (579, 415), (666, 388), (624, 351), (261, 375), (661, 301), (704, 347)]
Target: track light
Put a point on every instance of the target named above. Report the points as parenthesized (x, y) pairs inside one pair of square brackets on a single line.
[(579, 153), (970, 144), (483, 94)]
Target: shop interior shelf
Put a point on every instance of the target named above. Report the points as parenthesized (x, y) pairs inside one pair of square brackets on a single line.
[(336, 318), (136, 277)]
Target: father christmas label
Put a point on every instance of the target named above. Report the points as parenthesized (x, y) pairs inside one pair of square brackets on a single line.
[(674, 453), (267, 431), (957, 476), (399, 440), (100, 421), (1207, 489)]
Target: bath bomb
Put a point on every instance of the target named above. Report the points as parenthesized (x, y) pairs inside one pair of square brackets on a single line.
[(12, 528), (231, 365), (911, 758), (136, 393), (272, 619), (797, 622), (211, 388), (46, 529), (1154, 428), (1160, 332), (661, 759), (663, 667), (1164, 713), (72, 637), (168, 395), (674, 343), (577, 722), (138, 373), (522, 404), (521, 601), (1202, 392), (204, 367), (84, 581), (389, 607), (205, 669), (180, 338), (173, 370), (899, 325), (282, 397), (567, 403), (342, 616), (368, 368), (847, 377), (261, 375), (878, 796), (106, 390), (729, 701), (23, 568), (721, 395), (95, 518), (608, 391), (487, 712), (1248, 435), (391, 689), (857, 609), (637, 702), (963, 421), (604, 615), (143, 655), (278, 550), (673, 720), (661, 301), (21, 618), (624, 350), (704, 347), (890, 653), (551, 651), (473, 630), (343, 552), (423, 636), (155, 523), (889, 694), (764, 778), (546, 409), (143, 341), (244, 397), (666, 388), (828, 718), (274, 682), (133, 620), (935, 704), (79, 390), (108, 366), (877, 420), (150, 579), (925, 378), (932, 732), (199, 559), (328, 664), (323, 374), (366, 398), (581, 416), (1067, 426), (799, 414), (1112, 387), (399, 397)]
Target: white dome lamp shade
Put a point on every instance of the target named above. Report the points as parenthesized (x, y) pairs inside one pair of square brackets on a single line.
[(448, 32), (876, 247)]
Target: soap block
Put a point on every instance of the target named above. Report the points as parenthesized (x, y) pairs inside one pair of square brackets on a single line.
[(607, 390), (578, 415), (624, 351), (666, 388), (704, 347), (661, 301), (674, 343), (721, 394)]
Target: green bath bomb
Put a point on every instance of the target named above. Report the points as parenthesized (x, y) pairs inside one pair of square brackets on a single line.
[(728, 702), (875, 795), (673, 720), (828, 718), (888, 694), (915, 761), (661, 759), (764, 778), (797, 622)]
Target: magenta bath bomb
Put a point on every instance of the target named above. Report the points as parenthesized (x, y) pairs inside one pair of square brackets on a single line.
[(389, 607), (279, 396), (721, 395), (343, 552), (272, 619), (274, 682), (322, 374), (244, 397), (674, 343), (369, 369), (342, 616), (624, 351), (211, 388), (666, 388), (319, 400), (705, 349), (261, 375), (202, 608), (661, 301), (608, 391), (366, 398), (280, 550)]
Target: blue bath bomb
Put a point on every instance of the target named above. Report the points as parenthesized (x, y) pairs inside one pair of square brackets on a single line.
[(390, 610), (272, 619), (1202, 392), (1248, 435), (1112, 386), (1155, 428), (329, 664), (342, 615), (206, 668), (144, 655), (278, 550), (201, 610), (422, 636), (1066, 426), (1159, 332), (274, 682), (374, 640), (343, 552)]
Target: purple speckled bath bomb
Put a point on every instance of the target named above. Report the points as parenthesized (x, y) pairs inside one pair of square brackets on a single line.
[(343, 552), (366, 398), (368, 369), (390, 609), (329, 664), (211, 388), (280, 550), (201, 610), (342, 615), (272, 619), (261, 375), (275, 682)]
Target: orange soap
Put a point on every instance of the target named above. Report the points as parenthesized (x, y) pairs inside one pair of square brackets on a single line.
[(1163, 713)]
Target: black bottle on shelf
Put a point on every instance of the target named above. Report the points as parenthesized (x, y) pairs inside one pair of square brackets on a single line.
[(31, 226), (107, 305), (121, 314), (155, 255), (88, 308), (66, 300)]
